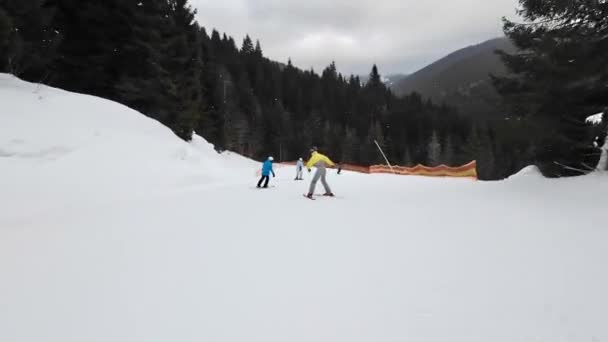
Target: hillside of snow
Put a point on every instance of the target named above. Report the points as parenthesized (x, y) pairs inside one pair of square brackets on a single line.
[(88, 148), (113, 229)]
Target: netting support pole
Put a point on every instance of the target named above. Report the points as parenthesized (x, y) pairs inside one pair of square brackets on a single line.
[(384, 155)]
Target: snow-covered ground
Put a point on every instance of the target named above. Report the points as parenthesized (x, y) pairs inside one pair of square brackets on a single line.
[(112, 229)]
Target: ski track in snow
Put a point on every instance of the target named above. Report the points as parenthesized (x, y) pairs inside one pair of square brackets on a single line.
[(146, 238)]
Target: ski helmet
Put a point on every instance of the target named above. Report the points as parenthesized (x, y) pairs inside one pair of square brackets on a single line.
[(270, 158)]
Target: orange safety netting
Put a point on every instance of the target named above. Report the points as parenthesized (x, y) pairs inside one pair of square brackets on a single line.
[(469, 170), (465, 171)]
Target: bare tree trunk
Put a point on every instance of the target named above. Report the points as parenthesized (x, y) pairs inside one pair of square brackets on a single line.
[(603, 163)]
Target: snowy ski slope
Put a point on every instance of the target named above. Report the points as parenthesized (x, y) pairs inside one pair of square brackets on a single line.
[(112, 229)]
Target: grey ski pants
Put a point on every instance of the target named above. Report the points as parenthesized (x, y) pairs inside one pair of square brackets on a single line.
[(321, 173)]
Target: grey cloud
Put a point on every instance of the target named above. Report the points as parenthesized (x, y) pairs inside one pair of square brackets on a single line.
[(400, 36), (306, 14)]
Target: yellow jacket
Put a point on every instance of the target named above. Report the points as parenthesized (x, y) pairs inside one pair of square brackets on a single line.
[(318, 157)]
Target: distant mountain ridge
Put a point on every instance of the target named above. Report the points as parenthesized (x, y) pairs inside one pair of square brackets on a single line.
[(461, 79)]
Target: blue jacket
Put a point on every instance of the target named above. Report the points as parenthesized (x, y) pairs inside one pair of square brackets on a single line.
[(267, 168)]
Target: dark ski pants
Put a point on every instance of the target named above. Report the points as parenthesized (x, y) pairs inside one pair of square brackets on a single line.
[(264, 179)]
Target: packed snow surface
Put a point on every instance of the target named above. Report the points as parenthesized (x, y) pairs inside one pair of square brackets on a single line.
[(112, 229), (527, 172)]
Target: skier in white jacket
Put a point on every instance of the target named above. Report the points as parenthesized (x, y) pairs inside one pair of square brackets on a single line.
[(299, 169)]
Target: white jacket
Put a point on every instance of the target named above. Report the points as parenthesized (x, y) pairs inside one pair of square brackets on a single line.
[(299, 165)]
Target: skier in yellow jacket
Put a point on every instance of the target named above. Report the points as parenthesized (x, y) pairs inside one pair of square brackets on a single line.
[(321, 162)]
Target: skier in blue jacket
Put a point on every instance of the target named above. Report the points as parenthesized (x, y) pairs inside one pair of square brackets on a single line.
[(266, 171)]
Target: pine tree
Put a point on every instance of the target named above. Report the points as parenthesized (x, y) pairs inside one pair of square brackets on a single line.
[(376, 96), (183, 62), (32, 38), (210, 124), (257, 136), (479, 147), (5, 27), (406, 160), (559, 75), (349, 146), (258, 50), (434, 150), (448, 152), (369, 150), (375, 80), (92, 52), (247, 48), (216, 40), (142, 80)]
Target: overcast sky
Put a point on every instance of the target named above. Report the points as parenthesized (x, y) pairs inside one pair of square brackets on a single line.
[(401, 36)]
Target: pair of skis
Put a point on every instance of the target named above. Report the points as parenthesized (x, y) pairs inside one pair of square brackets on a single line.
[(310, 198), (313, 196)]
